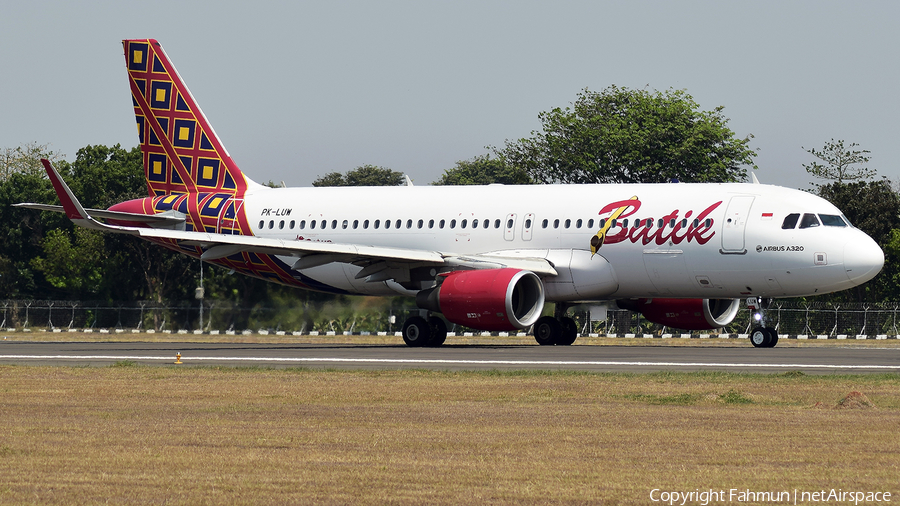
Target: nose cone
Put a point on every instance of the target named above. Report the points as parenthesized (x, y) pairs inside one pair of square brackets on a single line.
[(863, 259)]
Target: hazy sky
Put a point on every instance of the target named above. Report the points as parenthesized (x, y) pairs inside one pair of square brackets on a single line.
[(299, 89)]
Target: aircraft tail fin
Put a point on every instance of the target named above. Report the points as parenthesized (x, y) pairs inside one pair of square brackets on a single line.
[(181, 151)]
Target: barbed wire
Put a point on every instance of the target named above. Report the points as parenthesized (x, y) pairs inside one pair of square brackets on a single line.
[(789, 317)]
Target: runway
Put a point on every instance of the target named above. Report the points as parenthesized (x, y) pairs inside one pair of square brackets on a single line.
[(609, 358)]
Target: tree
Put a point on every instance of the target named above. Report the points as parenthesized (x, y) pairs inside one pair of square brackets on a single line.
[(25, 159), (483, 170), (629, 136), (364, 175), (839, 162), (874, 208)]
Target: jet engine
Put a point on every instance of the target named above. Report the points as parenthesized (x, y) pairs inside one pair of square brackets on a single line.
[(489, 299), (688, 314)]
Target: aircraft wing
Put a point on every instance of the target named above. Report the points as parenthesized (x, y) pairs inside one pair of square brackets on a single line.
[(309, 254)]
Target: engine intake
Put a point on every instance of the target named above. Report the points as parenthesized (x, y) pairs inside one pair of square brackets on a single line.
[(489, 299), (687, 314)]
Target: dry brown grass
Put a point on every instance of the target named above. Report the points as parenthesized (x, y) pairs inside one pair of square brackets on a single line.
[(168, 435)]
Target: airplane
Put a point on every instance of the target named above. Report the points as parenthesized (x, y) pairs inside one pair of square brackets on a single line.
[(486, 257)]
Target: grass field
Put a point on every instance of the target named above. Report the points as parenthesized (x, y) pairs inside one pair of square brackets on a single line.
[(169, 435)]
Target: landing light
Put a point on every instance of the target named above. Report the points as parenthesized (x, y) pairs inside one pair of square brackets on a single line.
[(757, 316)]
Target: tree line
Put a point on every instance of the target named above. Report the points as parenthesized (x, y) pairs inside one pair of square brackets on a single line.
[(616, 135)]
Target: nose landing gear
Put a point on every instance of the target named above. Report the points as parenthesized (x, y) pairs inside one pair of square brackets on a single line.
[(761, 336)]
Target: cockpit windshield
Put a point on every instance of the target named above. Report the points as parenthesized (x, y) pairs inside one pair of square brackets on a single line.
[(832, 220), (810, 220)]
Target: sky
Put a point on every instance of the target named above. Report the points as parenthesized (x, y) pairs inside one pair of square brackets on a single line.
[(299, 89)]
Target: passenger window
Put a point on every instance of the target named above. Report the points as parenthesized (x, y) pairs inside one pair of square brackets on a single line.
[(366, 224), (545, 223), (568, 223), (420, 223), (397, 225), (790, 221), (281, 224), (452, 223), (624, 223), (649, 223), (528, 223), (809, 220), (708, 222), (355, 224), (509, 223), (660, 223), (463, 224), (487, 223), (672, 223), (832, 220), (377, 223), (312, 224), (262, 224), (475, 223), (497, 223), (578, 223), (409, 224), (696, 223), (441, 224), (555, 223), (292, 224), (602, 223), (387, 224), (590, 223), (684, 223), (430, 223), (271, 224), (345, 224), (302, 224), (333, 224), (322, 225)]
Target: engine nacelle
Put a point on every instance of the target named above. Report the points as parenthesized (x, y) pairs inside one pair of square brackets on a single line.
[(489, 299), (688, 314)]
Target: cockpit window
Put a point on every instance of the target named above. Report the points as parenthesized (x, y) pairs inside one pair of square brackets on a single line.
[(790, 221), (832, 220), (809, 220)]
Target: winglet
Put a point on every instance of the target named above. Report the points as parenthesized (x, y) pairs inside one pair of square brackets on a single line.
[(73, 208)]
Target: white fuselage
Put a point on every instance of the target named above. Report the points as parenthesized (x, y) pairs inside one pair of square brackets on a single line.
[(702, 240)]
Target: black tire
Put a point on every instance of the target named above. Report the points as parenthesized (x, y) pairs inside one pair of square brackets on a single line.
[(759, 337), (416, 331), (569, 332), (438, 331), (547, 331), (773, 337)]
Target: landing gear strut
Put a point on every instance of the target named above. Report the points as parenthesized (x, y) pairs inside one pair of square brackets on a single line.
[(559, 329), (417, 331), (761, 336)]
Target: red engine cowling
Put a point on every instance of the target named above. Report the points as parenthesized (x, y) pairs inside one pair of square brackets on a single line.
[(688, 314), (489, 299)]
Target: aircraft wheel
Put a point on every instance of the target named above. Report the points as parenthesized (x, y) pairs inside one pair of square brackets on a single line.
[(416, 331), (547, 330), (773, 337), (569, 332), (759, 337), (438, 331)]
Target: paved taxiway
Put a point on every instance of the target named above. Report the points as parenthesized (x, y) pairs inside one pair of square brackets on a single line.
[(813, 360)]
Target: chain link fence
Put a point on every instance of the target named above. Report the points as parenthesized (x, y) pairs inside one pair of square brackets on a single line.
[(789, 317)]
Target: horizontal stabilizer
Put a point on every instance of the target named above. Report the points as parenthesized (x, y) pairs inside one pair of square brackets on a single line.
[(167, 219)]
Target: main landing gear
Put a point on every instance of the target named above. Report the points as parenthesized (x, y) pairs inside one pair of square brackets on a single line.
[(417, 331), (559, 329), (761, 336)]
